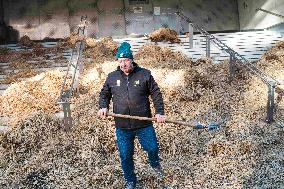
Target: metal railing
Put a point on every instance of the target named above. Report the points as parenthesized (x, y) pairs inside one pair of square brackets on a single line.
[(236, 57), (74, 67), (275, 25), (269, 12)]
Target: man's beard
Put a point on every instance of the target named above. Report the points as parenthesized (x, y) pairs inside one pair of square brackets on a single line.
[(127, 69)]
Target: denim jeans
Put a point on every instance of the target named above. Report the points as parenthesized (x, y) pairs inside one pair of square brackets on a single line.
[(125, 140)]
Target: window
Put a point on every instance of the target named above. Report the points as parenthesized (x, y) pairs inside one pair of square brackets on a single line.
[(136, 2)]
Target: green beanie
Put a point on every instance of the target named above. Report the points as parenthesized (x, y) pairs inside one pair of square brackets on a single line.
[(124, 51)]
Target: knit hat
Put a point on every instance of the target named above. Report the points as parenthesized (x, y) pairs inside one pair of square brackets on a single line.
[(124, 51)]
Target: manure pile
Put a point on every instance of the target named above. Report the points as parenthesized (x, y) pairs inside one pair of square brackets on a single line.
[(164, 34), (245, 153)]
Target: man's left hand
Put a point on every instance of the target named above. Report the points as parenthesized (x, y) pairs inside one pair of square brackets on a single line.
[(160, 118)]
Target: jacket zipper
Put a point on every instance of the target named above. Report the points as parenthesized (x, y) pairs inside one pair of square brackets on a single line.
[(127, 87)]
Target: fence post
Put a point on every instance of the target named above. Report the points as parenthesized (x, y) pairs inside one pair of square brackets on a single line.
[(270, 102), (190, 33), (232, 67), (208, 46)]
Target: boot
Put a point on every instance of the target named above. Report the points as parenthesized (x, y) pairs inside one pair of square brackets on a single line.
[(130, 185), (159, 172)]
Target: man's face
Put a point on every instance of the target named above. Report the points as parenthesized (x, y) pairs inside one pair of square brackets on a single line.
[(125, 65)]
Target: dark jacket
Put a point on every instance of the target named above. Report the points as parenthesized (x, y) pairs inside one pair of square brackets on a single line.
[(130, 96)]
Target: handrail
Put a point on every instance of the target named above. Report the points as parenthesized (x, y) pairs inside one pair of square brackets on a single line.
[(275, 25), (264, 77), (66, 88), (269, 12), (77, 53), (236, 57)]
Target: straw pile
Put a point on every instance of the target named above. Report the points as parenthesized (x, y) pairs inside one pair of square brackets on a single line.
[(25, 64), (272, 61), (37, 52), (71, 40), (102, 50), (154, 53), (12, 78), (164, 34), (14, 56), (20, 69), (245, 153), (91, 42), (39, 93), (4, 51), (26, 41)]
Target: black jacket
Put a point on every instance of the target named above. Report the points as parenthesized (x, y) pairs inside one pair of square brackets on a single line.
[(130, 96)]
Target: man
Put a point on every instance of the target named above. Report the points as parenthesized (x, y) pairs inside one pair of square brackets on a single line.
[(129, 87)]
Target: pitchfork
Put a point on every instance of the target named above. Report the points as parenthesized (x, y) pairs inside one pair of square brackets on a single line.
[(210, 126)]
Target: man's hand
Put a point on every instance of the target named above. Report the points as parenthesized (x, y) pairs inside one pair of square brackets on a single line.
[(103, 112), (160, 118)]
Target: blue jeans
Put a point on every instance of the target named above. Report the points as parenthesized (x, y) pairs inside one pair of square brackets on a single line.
[(125, 140)]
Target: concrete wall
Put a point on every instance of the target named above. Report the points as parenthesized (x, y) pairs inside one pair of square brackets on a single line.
[(213, 15), (252, 19), (41, 19), (111, 18), (58, 18), (139, 17)]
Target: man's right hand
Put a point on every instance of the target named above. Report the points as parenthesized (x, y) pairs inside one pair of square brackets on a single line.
[(103, 112)]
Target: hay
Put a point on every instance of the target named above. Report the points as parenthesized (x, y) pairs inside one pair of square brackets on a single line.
[(14, 56), (167, 57), (90, 42), (20, 64), (26, 41), (272, 61), (25, 64), (14, 77), (21, 69), (38, 153), (164, 34), (4, 51), (102, 50), (39, 93), (18, 59), (71, 40)]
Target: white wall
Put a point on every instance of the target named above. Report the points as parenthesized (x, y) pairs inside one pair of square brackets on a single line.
[(251, 19)]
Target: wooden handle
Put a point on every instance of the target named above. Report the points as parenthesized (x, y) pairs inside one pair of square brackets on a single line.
[(131, 117), (150, 119)]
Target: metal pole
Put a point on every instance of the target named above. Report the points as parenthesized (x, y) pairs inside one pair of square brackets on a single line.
[(190, 33), (67, 120), (232, 67), (208, 46), (270, 102), (178, 24)]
